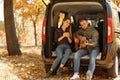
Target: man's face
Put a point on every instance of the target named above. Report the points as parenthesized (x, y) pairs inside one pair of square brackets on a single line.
[(84, 24)]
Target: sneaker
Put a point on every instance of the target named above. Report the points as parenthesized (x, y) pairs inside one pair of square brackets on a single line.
[(59, 72), (88, 75), (48, 74), (75, 76)]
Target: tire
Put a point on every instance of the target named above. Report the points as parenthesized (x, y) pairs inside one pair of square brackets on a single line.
[(113, 71)]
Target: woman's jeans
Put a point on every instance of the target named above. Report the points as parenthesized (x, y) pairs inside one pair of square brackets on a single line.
[(60, 50), (82, 52)]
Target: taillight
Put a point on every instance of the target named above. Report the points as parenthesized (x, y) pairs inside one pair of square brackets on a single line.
[(110, 30), (43, 31)]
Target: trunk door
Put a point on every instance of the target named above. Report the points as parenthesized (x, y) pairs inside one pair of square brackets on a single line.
[(46, 2)]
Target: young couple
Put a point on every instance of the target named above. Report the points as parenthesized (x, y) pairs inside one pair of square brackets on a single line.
[(63, 38)]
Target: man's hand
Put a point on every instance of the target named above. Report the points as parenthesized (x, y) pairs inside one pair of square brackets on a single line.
[(76, 40), (89, 43)]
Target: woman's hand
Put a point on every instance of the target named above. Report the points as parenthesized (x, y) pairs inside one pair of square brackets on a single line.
[(66, 34)]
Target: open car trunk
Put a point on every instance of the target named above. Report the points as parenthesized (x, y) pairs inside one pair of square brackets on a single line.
[(93, 10), (97, 12)]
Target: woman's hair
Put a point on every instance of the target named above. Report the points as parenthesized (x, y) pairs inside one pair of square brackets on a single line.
[(69, 28), (66, 18)]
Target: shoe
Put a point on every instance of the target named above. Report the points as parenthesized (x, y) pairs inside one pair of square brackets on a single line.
[(59, 72), (75, 76), (48, 74), (88, 75)]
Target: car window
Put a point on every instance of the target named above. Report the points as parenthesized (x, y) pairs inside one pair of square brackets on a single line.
[(72, 19), (94, 22), (61, 17)]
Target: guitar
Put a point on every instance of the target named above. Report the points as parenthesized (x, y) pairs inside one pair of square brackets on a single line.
[(82, 42)]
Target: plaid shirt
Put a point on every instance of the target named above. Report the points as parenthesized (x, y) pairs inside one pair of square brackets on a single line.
[(58, 33), (90, 33)]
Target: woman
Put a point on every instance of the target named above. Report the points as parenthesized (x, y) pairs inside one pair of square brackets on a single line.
[(63, 40)]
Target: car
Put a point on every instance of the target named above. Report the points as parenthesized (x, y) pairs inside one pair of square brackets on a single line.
[(103, 15)]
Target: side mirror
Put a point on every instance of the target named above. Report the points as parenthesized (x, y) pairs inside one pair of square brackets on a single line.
[(46, 2)]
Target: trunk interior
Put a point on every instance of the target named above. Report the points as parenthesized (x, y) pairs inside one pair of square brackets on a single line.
[(93, 11)]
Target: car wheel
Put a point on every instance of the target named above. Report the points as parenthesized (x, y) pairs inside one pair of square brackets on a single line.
[(113, 71)]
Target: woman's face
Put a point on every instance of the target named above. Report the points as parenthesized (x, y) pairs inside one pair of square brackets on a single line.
[(66, 23), (84, 24)]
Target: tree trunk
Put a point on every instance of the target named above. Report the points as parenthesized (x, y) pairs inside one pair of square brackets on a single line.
[(11, 38), (35, 33)]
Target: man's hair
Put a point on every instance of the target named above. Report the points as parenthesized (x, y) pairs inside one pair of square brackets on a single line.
[(82, 19)]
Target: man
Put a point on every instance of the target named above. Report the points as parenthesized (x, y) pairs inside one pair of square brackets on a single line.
[(91, 36)]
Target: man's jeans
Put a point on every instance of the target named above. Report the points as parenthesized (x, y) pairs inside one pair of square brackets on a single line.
[(82, 52), (63, 48)]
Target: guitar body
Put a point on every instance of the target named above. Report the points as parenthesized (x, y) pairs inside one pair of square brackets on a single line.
[(82, 41)]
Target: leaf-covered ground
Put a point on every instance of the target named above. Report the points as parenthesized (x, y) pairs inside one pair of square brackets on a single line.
[(30, 66)]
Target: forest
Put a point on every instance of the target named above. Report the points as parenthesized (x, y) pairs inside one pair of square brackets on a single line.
[(27, 22), (20, 41)]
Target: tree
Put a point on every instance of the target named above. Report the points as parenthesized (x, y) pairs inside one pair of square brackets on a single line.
[(117, 2), (30, 9), (11, 38)]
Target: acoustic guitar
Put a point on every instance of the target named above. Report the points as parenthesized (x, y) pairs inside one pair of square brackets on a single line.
[(82, 41)]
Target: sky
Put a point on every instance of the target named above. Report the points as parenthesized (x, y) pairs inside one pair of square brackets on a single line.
[(1, 11)]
